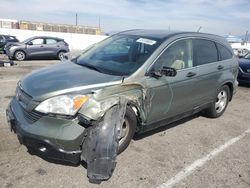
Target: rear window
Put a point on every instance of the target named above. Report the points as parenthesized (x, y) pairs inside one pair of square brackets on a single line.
[(205, 51), (224, 53), (10, 37)]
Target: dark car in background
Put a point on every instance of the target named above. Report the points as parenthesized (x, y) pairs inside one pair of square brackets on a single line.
[(244, 69), (37, 47), (4, 39)]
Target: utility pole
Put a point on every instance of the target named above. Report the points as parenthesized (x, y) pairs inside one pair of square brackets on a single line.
[(246, 37), (99, 22), (76, 19), (199, 29)]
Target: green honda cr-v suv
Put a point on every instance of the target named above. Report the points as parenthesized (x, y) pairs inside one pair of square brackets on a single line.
[(68, 111)]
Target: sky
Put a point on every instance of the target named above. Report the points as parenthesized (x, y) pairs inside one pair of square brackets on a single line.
[(213, 16)]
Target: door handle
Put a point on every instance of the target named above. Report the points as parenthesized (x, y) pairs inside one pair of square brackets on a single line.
[(190, 74), (220, 67), (41, 46)]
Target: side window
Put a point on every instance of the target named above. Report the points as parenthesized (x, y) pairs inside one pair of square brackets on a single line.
[(205, 51), (224, 52), (179, 56), (37, 41), (51, 41)]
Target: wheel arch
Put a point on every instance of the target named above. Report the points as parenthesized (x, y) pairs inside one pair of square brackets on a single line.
[(61, 50), (22, 50), (231, 89), (137, 113)]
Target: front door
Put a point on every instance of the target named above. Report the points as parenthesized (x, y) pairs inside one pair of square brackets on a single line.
[(35, 48), (171, 96)]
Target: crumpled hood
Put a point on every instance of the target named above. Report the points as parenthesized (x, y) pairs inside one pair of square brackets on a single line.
[(63, 78)]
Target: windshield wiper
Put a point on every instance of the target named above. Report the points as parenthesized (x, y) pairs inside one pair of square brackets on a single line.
[(92, 67)]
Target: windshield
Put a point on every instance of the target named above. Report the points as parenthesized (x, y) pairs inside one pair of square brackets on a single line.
[(26, 40), (118, 55)]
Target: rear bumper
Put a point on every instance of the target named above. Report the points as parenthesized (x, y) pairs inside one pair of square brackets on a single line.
[(41, 144)]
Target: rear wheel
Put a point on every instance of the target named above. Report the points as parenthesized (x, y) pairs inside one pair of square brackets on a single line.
[(220, 103), (127, 130), (19, 55), (60, 55)]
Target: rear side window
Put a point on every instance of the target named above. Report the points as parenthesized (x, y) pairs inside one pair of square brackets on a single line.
[(51, 41), (205, 51), (224, 53)]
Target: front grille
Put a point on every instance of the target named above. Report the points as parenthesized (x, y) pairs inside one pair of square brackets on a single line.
[(23, 97), (32, 116)]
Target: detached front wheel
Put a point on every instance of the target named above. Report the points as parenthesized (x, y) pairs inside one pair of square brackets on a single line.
[(220, 103)]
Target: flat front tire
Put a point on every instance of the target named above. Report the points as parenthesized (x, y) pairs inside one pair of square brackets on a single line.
[(220, 103)]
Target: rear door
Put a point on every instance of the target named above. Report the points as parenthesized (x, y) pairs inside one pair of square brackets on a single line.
[(212, 68), (51, 46)]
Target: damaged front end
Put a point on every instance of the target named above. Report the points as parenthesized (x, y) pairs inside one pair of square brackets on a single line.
[(102, 141)]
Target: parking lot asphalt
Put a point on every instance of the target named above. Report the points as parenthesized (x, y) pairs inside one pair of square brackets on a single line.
[(194, 152)]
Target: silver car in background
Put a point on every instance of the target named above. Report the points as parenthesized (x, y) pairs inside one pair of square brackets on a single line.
[(37, 48)]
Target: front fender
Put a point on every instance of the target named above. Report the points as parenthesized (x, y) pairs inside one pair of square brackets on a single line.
[(97, 105)]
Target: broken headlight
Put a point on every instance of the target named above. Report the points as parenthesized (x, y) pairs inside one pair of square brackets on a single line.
[(64, 104)]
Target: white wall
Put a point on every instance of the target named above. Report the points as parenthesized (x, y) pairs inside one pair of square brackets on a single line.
[(75, 41), (240, 46)]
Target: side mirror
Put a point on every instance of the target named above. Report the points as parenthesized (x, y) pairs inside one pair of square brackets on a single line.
[(166, 71), (30, 43)]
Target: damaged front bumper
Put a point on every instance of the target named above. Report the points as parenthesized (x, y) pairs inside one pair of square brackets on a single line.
[(68, 140), (48, 137)]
